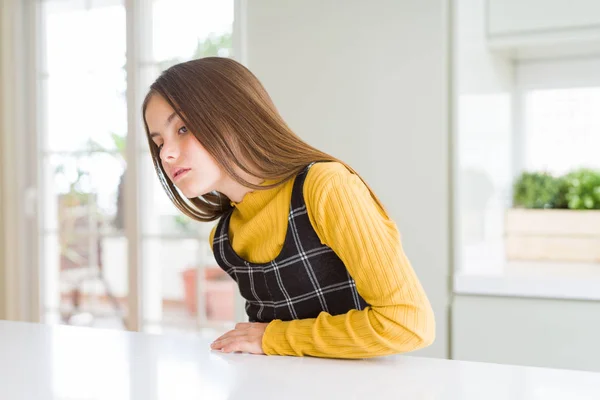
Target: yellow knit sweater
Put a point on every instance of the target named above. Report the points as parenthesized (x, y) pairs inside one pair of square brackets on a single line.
[(346, 218)]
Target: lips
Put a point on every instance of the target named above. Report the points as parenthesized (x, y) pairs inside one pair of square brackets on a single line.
[(179, 172)]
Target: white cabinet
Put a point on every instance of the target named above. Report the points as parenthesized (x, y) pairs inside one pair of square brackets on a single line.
[(521, 17), (543, 28), (534, 332)]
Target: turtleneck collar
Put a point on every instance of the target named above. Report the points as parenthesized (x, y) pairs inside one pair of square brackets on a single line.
[(255, 200)]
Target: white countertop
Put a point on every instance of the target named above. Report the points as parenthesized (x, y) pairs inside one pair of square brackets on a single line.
[(40, 362)]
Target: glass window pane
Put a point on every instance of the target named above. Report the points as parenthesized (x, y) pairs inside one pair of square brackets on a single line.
[(85, 111), (72, 180), (84, 251), (562, 129), (85, 281), (148, 75), (93, 47), (178, 262), (175, 271), (82, 84), (83, 87), (203, 28)]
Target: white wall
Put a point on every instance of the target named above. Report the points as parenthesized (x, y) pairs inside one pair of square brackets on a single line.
[(368, 82), (2, 189), (483, 86)]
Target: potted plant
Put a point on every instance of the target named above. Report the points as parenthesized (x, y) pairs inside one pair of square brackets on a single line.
[(555, 218)]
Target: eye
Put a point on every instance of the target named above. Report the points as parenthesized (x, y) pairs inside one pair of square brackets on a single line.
[(182, 130), (160, 147)]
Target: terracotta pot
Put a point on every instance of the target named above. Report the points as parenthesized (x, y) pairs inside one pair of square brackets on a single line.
[(219, 293)]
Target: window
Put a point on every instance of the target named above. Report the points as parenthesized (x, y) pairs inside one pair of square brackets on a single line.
[(514, 117), (84, 120), (561, 123)]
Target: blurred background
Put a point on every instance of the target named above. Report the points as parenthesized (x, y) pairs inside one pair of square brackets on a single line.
[(476, 122)]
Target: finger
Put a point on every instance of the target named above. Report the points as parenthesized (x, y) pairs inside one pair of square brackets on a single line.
[(235, 332), (238, 327), (222, 336), (243, 345), (229, 336), (218, 344), (228, 345)]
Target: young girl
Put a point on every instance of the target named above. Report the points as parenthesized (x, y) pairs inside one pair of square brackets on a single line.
[(315, 255)]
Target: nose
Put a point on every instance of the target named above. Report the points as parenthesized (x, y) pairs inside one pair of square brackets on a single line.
[(169, 151)]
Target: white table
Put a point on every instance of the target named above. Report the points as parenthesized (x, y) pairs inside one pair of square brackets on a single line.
[(43, 362)]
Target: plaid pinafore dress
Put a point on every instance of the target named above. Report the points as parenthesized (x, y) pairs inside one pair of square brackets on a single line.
[(305, 279)]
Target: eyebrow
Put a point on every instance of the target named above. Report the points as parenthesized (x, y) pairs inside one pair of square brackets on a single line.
[(169, 120)]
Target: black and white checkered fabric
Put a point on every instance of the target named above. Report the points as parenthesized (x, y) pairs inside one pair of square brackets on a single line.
[(305, 279)]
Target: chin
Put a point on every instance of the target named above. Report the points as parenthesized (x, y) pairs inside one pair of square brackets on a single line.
[(193, 193), (187, 192)]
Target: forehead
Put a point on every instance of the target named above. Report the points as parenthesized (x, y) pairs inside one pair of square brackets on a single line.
[(158, 111)]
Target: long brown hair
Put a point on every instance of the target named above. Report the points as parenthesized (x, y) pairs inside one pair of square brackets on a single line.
[(230, 113)]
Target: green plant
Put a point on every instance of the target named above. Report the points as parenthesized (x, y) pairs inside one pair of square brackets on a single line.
[(561, 197), (538, 190), (77, 192), (214, 45), (75, 208), (583, 189), (183, 223), (119, 143)]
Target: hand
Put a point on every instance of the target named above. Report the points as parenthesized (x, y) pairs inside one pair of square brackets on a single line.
[(246, 338)]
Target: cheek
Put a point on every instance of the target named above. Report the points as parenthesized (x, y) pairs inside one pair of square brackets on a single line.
[(212, 168), (205, 160), (164, 167)]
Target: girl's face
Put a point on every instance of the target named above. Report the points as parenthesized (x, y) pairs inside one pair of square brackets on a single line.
[(187, 164)]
